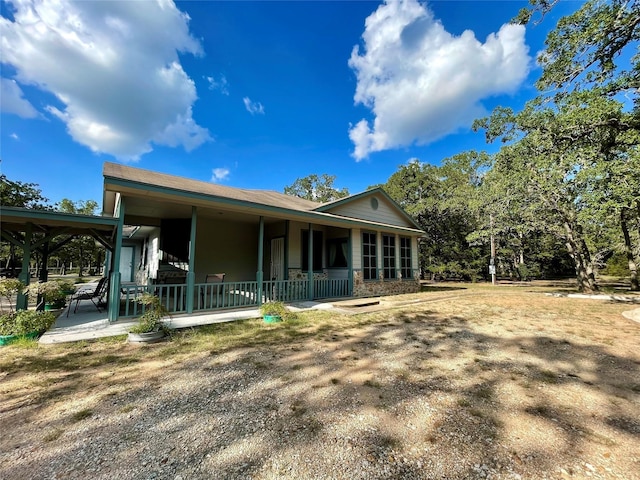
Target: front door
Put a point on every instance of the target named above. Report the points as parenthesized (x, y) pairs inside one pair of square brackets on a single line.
[(277, 259), (126, 264)]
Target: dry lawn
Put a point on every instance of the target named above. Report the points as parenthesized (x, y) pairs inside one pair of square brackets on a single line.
[(479, 382)]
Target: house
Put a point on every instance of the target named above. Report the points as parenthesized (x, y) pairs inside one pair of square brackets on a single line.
[(202, 246)]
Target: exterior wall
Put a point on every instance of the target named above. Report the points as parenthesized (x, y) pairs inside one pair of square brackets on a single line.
[(363, 209), (297, 274), (356, 248), (226, 247), (380, 287)]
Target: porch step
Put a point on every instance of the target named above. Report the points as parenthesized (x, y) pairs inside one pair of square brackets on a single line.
[(357, 302)]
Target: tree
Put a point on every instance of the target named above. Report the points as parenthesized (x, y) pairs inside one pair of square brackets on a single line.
[(438, 199), (595, 47), (316, 188), (24, 195), (83, 249)]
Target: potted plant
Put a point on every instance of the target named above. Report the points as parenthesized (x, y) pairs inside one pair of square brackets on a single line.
[(273, 312), (51, 293), (24, 323), (151, 327)]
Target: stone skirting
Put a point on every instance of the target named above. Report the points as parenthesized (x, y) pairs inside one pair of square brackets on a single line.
[(382, 287), (297, 274)]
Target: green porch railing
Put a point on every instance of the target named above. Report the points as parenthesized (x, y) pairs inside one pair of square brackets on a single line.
[(215, 296), (285, 290), (212, 296), (331, 288)]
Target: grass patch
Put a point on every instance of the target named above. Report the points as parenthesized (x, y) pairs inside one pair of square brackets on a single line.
[(81, 415), (372, 384), (52, 435)]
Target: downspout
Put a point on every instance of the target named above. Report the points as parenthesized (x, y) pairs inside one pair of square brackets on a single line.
[(191, 275)]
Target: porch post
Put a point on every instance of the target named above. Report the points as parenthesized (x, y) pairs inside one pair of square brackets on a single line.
[(286, 250), (350, 262), (310, 262), (25, 276), (191, 275), (113, 305), (259, 274)]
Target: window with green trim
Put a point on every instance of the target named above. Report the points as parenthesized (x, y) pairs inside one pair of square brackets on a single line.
[(389, 256), (369, 256), (405, 257)]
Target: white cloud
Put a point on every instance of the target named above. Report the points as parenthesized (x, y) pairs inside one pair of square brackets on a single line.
[(12, 100), (219, 174), (15, 136), (222, 85), (113, 66), (253, 107), (422, 83)]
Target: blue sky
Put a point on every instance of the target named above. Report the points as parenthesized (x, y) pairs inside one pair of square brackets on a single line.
[(253, 94)]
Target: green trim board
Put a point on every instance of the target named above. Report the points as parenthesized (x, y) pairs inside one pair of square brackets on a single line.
[(358, 196), (257, 208)]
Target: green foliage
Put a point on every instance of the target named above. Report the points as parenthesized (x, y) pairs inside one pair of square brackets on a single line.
[(316, 188), (50, 291), (9, 288), (617, 266), (154, 313), (278, 309), (20, 194), (26, 321)]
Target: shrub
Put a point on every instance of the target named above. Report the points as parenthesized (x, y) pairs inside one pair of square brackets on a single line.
[(51, 291), (9, 287), (276, 309), (151, 319), (26, 321)]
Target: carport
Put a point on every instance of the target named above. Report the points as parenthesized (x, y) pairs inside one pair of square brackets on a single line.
[(45, 231)]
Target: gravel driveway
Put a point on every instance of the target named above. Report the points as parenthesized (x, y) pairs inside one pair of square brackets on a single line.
[(487, 386)]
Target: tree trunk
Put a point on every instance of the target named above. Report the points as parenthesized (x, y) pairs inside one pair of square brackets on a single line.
[(628, 250), (579, 253)]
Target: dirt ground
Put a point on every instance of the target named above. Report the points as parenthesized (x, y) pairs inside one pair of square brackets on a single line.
[(453, 383)]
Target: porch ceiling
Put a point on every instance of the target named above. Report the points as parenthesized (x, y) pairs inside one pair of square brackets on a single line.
[(147, 209)]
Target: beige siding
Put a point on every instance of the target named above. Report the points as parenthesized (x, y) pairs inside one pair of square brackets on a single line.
[(414, 253), (226, 247), (356, 248), (295, 243), (362, 209)]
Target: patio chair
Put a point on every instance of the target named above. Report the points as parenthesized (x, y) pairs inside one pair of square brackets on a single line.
[(94, 295), (212, 278)]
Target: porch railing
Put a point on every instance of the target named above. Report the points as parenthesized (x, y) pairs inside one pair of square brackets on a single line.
[(211, 296), (285, 290), (331, 288), (214, 296)]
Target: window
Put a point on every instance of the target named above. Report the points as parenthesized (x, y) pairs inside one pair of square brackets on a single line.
[(389, 256), (317, 251), (337, 252), (405, 257), (369, 257)]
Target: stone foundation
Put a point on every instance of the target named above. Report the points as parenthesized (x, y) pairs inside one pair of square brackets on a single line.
[(297, 274), (372, 288)]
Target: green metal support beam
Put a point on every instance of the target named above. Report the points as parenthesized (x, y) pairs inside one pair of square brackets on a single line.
[(259, 273), (310, 262), (350, 261), (114, 275), (24, 277), (191, 275)]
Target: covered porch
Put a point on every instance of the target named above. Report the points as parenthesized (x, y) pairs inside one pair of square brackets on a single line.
[(201, 258)]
